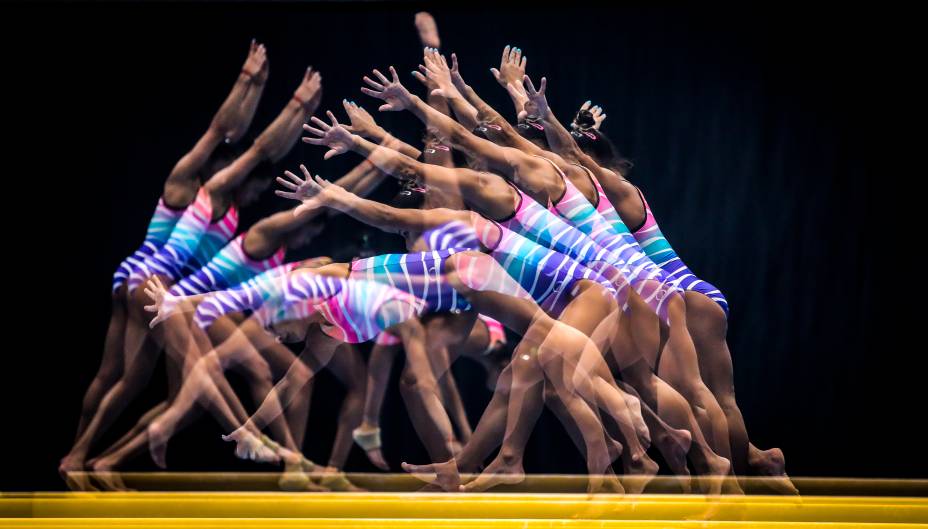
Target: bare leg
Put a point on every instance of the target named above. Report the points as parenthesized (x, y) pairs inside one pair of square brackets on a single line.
[(111, 365), (378, 376)]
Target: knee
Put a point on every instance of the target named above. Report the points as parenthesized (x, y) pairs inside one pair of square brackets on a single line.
[(412, 381), (257, 368)]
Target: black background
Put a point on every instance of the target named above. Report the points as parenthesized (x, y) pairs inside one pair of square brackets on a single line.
[(758, 135)]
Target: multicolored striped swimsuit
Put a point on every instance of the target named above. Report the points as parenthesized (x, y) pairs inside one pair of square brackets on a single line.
[(355, 310), (651, 282), (191, 245), (545, 275), (178, 249), (419, 274), (659, 250), (159, 230), (229, 267)]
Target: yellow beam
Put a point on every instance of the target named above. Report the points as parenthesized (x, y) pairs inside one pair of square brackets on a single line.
[(236, 523), (460, 506)]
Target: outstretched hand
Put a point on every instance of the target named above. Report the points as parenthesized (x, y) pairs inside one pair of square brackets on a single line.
[(597, 112), (362, 122), (537, 104), (394, 95), (511, 69), (164, 304), (437, 70), (333, 136), (256, 64), (313, 191), (310, 90)]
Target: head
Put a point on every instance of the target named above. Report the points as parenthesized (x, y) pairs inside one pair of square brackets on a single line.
[(596, 144), (410, 197), (256, 183), (306, 233), (219, 159), (489, 131), (533, 130), (291, 331)]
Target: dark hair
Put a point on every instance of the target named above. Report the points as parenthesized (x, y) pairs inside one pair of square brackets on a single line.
[(584, 119), (532, 130), (223, 155), (410, 197), (597, 145)]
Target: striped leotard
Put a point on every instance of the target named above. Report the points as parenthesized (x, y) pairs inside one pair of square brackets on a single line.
[(544, 274), (419, 274), (355, 310), (159, 230), (651, 282), (191, 245), (656, 247), (230, 266), (178, 249), (659, 250)]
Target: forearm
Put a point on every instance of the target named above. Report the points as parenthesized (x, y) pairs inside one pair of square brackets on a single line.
[(278, 398), (465, 113), (229, 119), (444, 126), (381, 136), (559, 139), (246, 110), (280, 136), (375, 214)]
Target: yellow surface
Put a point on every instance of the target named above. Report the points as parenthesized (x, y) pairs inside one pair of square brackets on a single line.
[(235, 523), (465, 510), (889, 503)]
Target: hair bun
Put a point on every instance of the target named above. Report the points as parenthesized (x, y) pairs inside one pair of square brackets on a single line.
[(584, 119)]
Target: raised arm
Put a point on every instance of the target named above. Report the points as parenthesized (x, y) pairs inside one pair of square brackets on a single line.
[(559, 138), (397, 97), (465, 113), (269, 233), (487, 191), (363, 124), (506, 133), (275, 141), (315, 193), (511, 71), (280, 136), (256, 69), (230, 123)]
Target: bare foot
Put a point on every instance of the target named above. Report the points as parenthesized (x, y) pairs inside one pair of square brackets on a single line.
[(103, 473), (158, 443), (639, 471), (673, 446), (249, 446), (336, 481), (71, 470), (644, 434), (718, 478), (496, 473), (446, 475), (772, 465), (767, 462), (368, 438), (607, 483), (428, 30)]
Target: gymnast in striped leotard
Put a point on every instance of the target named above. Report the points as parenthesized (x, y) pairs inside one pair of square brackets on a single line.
[(708, 327), (482, 190), (194, 243), (540, 272), (207, 156)]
